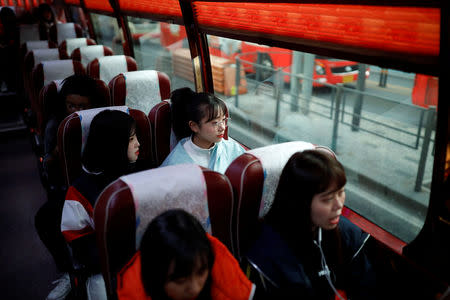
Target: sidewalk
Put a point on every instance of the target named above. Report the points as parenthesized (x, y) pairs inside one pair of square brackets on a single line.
[(381, 173)]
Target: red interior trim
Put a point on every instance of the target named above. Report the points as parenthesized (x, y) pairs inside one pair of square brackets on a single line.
[(374, 230), (165, 8), (409, 30), (99, 5), (72, 2)]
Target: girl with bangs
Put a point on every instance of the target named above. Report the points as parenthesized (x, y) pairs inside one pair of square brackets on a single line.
[(178, 260), (306, 249), (199, 122), (111, 151)]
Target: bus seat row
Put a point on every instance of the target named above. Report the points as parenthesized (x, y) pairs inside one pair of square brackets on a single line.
[(235, 201)]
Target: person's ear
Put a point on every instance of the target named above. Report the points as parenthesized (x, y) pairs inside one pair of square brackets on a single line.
[(194, 126)]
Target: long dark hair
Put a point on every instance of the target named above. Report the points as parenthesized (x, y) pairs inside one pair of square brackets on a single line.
[(188, 105), (174, 236), (305, 174), (107, 143)]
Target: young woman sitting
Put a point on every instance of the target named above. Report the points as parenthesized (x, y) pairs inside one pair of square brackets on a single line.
[(306, 249), (179, 261), (111, 151), (199, 123)]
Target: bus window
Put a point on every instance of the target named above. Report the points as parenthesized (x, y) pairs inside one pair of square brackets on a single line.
[(107, 32), (156, 47), (384, 141)]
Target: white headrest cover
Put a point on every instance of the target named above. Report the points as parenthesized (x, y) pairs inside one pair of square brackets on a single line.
[(86, 117), (273, 158), (89, 53), (111, 66), (157, 190), (65, 31), (41, 55), (29, 32), (72, 44), (57, 69), (142, 90), (32, 45), (58, 83)]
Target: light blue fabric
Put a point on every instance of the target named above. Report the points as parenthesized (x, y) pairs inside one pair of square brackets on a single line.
[(223, 153)]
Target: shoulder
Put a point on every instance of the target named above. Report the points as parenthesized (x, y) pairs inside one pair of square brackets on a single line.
[(352, 235), (178, 155)]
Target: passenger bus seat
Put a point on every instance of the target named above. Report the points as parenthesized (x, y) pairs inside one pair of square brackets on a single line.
[(74, 129), (68, 45), (62, 31), (140, 89), (126, 207), (107, 67), (86, 54), (254, 176)]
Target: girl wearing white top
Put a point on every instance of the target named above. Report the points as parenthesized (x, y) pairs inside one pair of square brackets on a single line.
[(199, 123)]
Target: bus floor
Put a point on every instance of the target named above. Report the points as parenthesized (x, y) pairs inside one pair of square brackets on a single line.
[(27, 268)]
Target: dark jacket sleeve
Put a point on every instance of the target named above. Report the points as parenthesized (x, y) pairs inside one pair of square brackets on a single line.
[(85, 252)]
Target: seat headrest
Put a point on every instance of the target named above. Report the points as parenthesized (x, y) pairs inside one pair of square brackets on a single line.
[(72, 44), (86, 117), (65, 31), (110, 66), (41, 55), (33, 45), (57, 69), (142, 89), (157, 190), (273, 158), (89, 53)]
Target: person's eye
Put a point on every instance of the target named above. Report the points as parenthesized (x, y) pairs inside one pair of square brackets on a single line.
[(180, 280)]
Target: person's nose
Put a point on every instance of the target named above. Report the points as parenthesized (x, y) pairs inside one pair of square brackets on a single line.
[(338, 202)]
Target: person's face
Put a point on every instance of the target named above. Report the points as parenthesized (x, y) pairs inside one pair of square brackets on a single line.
[(76, 103), (186, 288), (208, 133), (133, 148), (326, 208), (47, 15)]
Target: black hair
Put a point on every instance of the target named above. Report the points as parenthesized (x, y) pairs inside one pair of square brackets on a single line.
[(305, 174), (188, 105), (176, 237), (7, 18), (107, 143), (43, 7), (82, 85)]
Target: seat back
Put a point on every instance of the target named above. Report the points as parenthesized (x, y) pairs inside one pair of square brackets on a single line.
[(74, 129), (254, 176), (87, 54), (140, 89), (48, 71), (126, 207), (48, 98), (68, 45), (28, 32), (62, 31), (107, 67), (33, 58)]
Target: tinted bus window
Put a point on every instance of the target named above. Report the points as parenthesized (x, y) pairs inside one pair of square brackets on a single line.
[(366, 114), (163, 47), (107, 32)]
